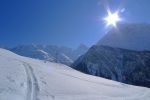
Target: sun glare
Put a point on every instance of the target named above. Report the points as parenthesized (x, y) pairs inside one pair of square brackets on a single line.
[(112, 19)]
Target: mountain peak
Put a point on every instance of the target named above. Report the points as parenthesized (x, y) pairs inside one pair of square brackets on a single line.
[(82, 46), (128, 36)]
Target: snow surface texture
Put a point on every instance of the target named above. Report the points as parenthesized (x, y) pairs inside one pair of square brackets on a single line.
[(28, 79), (128, 36)]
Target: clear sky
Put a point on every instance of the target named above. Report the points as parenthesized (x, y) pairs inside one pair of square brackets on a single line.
[(62, 22)]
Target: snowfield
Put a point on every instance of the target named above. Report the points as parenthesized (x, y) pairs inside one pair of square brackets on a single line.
[(24, 78)]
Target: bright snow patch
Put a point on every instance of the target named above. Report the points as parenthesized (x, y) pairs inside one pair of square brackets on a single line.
[(28, 79)]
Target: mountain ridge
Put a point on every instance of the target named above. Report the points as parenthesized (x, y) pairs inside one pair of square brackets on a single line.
[(51, 53), (128, 36), (127, 66)]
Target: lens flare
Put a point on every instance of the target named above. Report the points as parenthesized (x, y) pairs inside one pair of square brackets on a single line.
[(112, 18)]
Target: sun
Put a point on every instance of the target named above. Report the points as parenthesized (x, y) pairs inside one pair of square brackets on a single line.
[(112, 19)]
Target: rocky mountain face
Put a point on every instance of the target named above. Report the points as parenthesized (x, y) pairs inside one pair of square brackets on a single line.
[(127, 66), (51, 53)]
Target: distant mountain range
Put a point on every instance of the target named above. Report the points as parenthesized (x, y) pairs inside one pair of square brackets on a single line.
[(51, 53), (122, 55)]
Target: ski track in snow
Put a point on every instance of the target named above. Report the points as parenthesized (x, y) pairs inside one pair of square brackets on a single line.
[(33, 88), (32, 83)]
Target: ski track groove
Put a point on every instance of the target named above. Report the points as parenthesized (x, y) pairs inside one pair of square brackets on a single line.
[(32, 83)]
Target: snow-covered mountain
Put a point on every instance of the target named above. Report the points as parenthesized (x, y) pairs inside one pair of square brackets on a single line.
[(127, 66), (128, 36), (25, 78), (51, 53)]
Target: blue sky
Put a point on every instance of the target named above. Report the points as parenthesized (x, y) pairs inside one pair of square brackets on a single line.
[(62, 22)]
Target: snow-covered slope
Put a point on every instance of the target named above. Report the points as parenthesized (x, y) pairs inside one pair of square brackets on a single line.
[(128, 36), (28, 79)]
